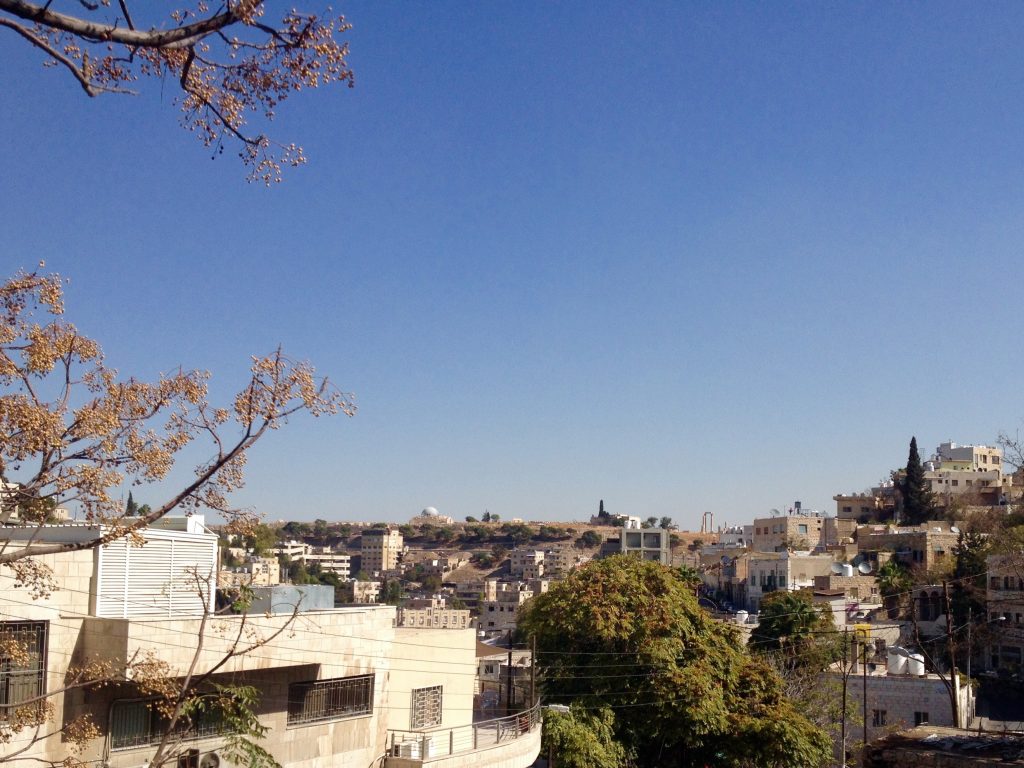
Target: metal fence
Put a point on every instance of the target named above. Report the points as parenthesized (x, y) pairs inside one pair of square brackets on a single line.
[(440, 742)]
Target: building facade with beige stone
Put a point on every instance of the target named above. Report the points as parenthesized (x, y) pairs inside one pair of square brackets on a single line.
[(335, 687)]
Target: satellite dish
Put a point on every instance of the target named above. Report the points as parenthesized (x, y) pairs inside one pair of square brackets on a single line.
[(864, 568), (954, 529), (210, 760), (726, 559), (837, 568), (857, 560)]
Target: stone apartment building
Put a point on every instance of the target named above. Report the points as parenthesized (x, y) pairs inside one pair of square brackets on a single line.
[(803, 531), (790, 571), (900, 699), (329, 560), (856, 586), (432, 612), (361, 592), (257, 572), (646, 543), (338, 687), (500, 604), (1004, 602), (381, 549), (526, 563), (917, 546)]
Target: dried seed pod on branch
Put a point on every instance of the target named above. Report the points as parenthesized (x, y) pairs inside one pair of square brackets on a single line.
[(231, 64), (72, 431)]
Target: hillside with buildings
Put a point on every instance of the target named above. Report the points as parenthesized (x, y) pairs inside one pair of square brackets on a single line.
[(408, 610)]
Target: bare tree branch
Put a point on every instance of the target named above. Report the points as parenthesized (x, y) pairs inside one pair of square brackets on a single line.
[(103, 33)]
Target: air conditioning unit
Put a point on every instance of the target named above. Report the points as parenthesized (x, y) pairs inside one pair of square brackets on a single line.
[(416, 749), (410, 749)]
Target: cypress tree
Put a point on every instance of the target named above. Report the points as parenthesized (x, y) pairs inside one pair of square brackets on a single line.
[(917, 499), (131, 509)]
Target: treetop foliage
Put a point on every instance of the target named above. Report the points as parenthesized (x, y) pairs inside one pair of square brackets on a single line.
[(229, 64), (918, 504), (628, 634)]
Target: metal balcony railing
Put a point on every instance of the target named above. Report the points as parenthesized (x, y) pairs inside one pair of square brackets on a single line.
[(440, 742)]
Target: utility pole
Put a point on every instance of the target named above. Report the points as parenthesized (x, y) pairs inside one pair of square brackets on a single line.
[(508, 691), (865, 671), (846, 674), (954, 704), (533, 671), (970, 689)]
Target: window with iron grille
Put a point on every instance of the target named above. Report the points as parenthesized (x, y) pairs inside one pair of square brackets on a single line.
[(426, 707), (139, 723), (22, 663), (330, 699)]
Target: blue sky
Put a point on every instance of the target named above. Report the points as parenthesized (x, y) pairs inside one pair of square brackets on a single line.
[(681, 257)]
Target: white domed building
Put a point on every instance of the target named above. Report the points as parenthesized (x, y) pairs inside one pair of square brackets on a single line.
[(431, 515)]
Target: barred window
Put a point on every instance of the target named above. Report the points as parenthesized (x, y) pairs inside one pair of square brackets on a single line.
[(22, 663), (426, 707), (330, 699), (139, 723)]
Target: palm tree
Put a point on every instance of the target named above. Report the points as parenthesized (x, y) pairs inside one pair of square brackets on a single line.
[(893, 582)]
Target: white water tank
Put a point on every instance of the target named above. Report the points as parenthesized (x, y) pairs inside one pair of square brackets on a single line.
[(741, 617), (897, 661), (847, 569), (915, 665)]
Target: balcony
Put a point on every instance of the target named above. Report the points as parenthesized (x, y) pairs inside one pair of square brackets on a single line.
[(506, 742)]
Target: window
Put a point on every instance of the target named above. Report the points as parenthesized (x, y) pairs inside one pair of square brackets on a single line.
[(920, 718), (330, 699), (22, 663), (426, 707), (878, 717), (138, 723), (847, 509), (801, 528), (956, 482)]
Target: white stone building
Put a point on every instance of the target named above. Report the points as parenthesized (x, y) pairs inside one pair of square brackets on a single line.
[(336, 687)]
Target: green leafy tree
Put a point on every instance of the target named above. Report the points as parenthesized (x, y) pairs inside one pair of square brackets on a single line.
[(391, 592), (431, 583), (261, 539), (918, 503), (801, 633), (296, 529), (321, 531), (666, 523), (131, 509), (650, 522), (487, 517), (629, 634), (519, 533), (589, 540), (445, 535), (969, 594), (894, 581), (471, 519), (583, 739)]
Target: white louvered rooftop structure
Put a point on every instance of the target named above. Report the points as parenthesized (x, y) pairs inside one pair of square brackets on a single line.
[(168, 571)]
